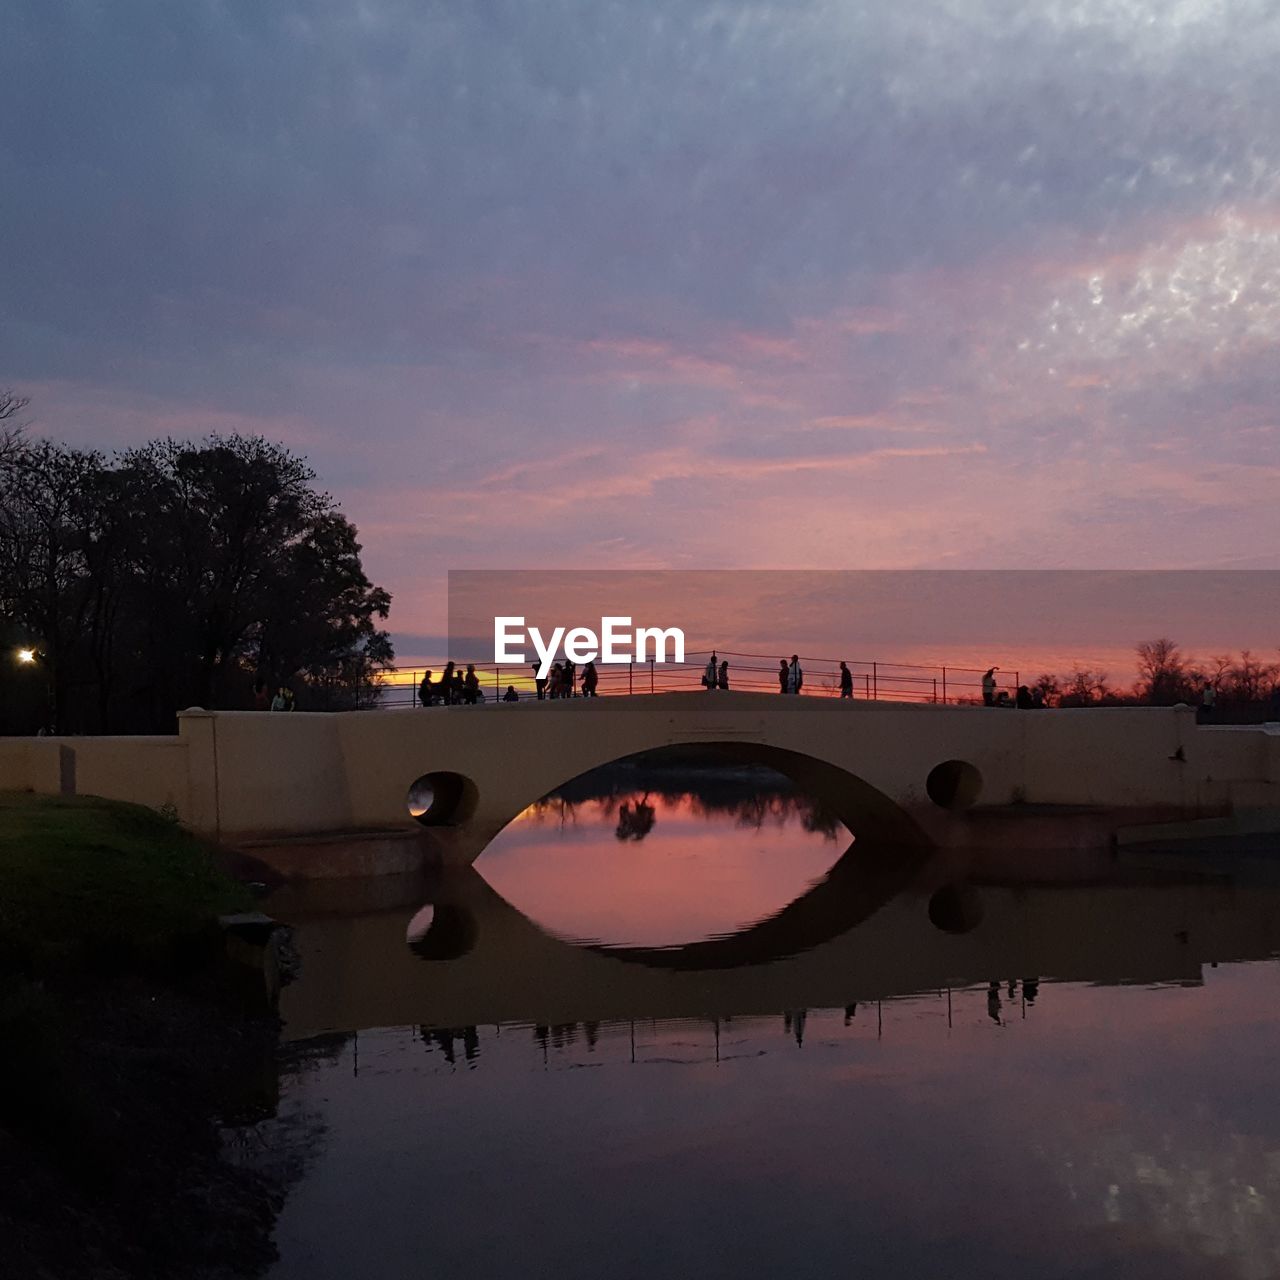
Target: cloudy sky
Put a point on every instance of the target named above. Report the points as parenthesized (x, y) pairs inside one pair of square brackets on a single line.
[(672, 284)]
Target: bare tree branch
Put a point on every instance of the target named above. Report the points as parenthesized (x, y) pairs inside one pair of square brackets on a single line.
[(11, 404)]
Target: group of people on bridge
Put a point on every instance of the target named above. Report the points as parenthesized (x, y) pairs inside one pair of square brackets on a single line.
[(453, 689), (1024, 699), (563, 680), (458, 689), (790, 676)]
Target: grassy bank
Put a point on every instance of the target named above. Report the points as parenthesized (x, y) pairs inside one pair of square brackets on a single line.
[(86, 881), (122, 1051)]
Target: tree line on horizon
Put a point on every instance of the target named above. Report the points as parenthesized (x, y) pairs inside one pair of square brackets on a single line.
[(171, 575), (1168, 676)]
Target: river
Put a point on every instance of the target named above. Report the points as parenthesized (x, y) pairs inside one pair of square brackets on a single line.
[(688, 1027)]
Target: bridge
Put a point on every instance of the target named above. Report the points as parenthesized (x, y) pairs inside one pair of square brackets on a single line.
[(905, 774)]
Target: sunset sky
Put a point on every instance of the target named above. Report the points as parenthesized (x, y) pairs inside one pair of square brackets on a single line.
[(960, 283)]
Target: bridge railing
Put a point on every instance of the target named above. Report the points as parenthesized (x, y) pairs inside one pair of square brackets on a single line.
[(873, 680)]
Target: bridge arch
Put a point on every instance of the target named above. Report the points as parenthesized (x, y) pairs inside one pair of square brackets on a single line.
[(479, 809)]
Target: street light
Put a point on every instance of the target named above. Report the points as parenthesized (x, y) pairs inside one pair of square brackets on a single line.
[(26, 655)]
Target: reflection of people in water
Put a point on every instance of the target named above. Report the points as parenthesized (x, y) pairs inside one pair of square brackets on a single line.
[(1030, 989), (794, 1023), (993, 1002), (635, 821), (443, 1039)]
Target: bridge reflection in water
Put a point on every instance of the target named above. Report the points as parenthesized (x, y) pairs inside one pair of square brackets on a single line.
[(881, 924), (844, 1051)]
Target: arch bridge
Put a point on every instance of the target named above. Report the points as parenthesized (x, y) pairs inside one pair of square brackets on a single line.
[(904, 773)]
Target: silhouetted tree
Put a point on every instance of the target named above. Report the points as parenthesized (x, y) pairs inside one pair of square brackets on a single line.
[(1162, 673), (11, 404), (48, 519), (1249, 679), (1048, 686), (1084, 688), (178, 572)]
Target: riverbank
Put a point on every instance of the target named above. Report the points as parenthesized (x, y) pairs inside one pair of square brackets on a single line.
[(124, 1050), (87, 883)]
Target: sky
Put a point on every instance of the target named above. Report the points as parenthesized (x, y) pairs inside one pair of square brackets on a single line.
[(1051, 620), (954, 284)]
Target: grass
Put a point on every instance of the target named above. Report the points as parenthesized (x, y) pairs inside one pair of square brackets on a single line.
[(86, 882)]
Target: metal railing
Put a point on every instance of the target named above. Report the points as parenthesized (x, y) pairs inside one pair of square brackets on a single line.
[(873, 680)]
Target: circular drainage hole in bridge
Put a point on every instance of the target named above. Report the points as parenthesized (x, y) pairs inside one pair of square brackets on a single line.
[(954, 784), (437, 799)]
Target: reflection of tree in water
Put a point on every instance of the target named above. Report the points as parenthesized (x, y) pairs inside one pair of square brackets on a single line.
[(635, 821), (755, 796), (144, 1134), (289, 1134), (555, 808)]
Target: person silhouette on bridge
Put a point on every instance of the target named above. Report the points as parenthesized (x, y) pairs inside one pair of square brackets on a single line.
[(722, 679), (447, 678), (989, 687), (782, 676), (539, 683), (425, 694), (709, 675), (846, 682), (1208, 699), (570, 674), (590, 679), (471, 686), (511, 695), (795, 676)]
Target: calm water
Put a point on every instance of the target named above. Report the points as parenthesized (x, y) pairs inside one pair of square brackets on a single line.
[(655, 1037)]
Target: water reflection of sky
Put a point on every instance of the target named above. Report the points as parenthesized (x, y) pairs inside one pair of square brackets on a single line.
[(698, 872), (1118, 1131), (979, 1127)]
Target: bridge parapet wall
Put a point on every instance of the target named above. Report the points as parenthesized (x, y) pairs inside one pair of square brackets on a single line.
[(256, 773), (29, 764), (143, 770)]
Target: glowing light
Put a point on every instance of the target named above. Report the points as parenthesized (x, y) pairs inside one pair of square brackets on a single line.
[(26, 655)]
